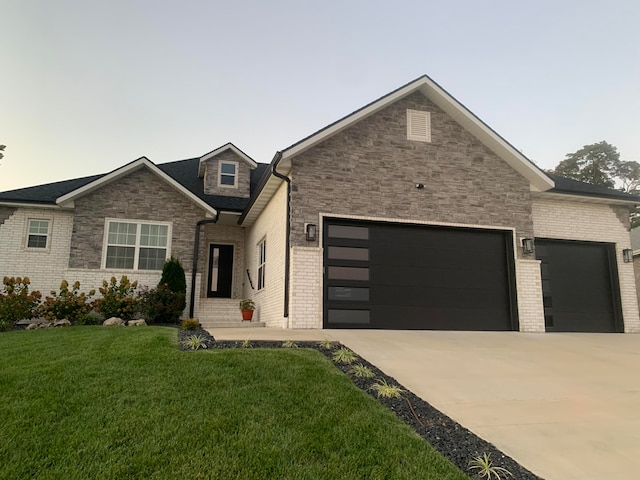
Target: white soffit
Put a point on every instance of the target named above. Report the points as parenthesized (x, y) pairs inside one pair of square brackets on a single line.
[(142, 162), (570, 197)]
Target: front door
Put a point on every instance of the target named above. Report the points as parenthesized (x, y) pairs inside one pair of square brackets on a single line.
[(220, 271)]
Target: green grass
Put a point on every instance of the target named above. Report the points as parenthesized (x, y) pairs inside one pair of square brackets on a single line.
[(122, 403)]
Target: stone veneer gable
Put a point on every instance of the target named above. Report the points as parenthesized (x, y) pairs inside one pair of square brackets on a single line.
[(138, 196), (211, 176), (370, 169)]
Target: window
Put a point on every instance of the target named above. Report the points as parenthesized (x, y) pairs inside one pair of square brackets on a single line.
[(38, 234), (139, 246), (418, 126), (262, 258), (228, 174)]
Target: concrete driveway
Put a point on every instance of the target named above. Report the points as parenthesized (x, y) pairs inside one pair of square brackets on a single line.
[(566, 406)]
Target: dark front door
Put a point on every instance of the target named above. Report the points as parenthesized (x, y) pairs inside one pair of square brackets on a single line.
[(579, 282), (220, 271), (395, 276)]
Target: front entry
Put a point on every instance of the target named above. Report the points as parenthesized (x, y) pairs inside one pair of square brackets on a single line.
[(220, 271)]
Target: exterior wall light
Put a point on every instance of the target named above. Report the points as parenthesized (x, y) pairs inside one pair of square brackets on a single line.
[(311, 230), (527, 245), (627, 255)]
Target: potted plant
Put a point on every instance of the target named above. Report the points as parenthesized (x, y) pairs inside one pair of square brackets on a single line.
[(247, 307)]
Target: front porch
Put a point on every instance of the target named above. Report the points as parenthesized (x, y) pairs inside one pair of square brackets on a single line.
[(224, 313)]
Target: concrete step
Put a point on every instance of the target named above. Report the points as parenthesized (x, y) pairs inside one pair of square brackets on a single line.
[(217, 324)]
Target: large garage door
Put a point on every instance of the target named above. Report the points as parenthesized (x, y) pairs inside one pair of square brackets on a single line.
[(383, 275), (579, 286)]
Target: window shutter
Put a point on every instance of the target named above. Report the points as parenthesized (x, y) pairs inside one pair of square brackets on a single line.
[(418, 126)]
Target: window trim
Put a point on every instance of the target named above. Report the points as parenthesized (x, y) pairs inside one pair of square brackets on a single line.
[(235, 176), (137, 246), (262, 262), (47, 236)]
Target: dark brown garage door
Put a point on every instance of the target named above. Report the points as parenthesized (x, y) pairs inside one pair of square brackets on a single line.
[(380, 275), (579, 286)]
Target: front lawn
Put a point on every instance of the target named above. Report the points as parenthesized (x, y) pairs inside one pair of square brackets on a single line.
[(116, 403)]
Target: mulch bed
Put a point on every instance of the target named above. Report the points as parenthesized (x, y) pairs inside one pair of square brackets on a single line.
[(448, 437)]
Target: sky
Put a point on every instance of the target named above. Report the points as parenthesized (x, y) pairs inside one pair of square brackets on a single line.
[(87, 86)]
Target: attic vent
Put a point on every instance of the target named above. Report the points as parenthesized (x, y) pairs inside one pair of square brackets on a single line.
[(418, 126)]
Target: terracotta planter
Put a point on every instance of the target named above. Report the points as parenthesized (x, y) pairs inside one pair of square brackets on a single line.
[(247, 315)]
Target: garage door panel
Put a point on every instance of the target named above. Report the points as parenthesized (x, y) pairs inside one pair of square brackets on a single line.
[(422, 277), (479, 298), (578, 281), (415, 318)]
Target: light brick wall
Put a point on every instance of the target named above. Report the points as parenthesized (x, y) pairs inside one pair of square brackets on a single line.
[(306, 287), (223, 234), (270, 225), (529, 290), (574, 220), (211, 176), (44, 267)]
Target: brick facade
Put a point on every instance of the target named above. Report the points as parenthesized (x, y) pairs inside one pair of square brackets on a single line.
[(574, 220), (211, 176), (138, 196), (5, 213), (271, 225), (371, 169)]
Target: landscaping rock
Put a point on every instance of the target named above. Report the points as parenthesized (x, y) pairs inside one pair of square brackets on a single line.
[(113, 322), (32, 326), (137, 323), (62, 323)]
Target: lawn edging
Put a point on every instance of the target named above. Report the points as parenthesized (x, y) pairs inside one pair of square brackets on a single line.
[(455, 442)]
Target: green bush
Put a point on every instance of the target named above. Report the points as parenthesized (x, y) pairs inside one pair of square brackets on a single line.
[(173, 276), (91, 318), (190, 324), (16, 302), (118, 299), (69, 303), (161, 305)]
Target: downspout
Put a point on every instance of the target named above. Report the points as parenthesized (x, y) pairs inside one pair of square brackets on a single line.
[(196, 252), (287, 254)]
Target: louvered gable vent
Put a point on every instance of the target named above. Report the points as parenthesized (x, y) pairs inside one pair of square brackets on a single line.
[(418, 126)]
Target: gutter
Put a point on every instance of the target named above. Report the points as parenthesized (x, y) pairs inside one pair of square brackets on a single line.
[(287, 252), (196, 251)]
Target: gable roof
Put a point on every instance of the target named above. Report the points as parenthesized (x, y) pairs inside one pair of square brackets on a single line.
[(537, 178), (184, 172), (227, 147), (139, 164)]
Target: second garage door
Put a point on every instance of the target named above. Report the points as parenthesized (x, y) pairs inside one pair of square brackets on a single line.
[(383, 275)]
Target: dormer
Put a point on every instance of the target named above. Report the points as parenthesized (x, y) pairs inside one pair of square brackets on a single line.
[(226, 171)]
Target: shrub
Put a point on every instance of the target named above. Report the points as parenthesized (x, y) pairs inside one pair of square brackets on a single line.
[(91, 318), (69, 303), (195, 342), (173, 276), (16, 302), (118, 299), (191, 324), (344, 355), (161, 305)]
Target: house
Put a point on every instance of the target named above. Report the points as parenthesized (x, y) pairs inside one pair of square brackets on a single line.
[(409, 213)]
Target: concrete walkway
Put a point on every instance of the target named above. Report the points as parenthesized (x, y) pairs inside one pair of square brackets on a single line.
[(566, 406)]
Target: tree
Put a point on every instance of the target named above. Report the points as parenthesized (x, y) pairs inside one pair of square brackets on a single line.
[(2, 147), (598, 164)]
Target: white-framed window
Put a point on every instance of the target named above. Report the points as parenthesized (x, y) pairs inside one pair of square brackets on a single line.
[(135, 244), (418, 126), (228, 174), (262, 260), (38, 233)]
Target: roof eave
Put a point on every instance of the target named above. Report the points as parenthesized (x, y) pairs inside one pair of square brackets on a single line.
[(578, 197), (143, 162)]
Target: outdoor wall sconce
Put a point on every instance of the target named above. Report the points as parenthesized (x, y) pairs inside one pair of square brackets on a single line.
[(627, 255), (311, 231), (527, 245), (419, 186)]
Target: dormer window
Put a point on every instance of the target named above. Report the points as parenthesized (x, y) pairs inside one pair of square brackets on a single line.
[(228, 174)]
